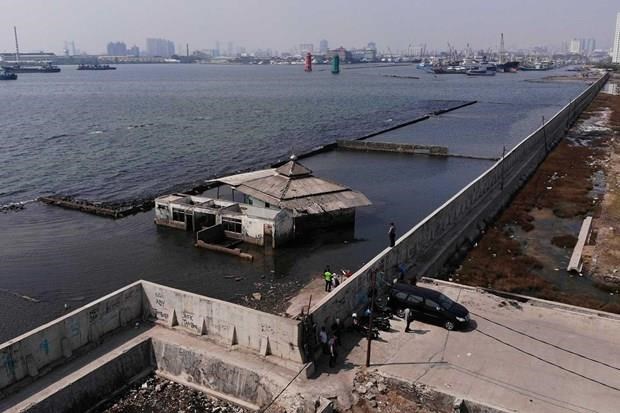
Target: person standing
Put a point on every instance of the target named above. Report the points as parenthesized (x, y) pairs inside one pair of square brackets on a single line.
[(408, 318), (323, 340), (332, 351), (328, 276), (392, 234)]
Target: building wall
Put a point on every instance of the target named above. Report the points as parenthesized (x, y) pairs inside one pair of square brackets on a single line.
[(616, 50), (283, 229), (426, 248)]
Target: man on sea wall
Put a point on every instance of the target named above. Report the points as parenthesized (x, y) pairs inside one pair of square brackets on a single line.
[(328, 276)]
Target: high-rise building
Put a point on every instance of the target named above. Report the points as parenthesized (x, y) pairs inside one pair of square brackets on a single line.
[(117, 49), (372, 46), (133, 51), (323, 46), (589, 45), (615, 54), (159, 47), (575, 46)]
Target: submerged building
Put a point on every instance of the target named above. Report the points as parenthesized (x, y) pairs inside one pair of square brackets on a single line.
[(277, 204)]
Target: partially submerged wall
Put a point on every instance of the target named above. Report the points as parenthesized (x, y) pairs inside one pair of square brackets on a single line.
[(425, 249), (224, 322), (25, 357)]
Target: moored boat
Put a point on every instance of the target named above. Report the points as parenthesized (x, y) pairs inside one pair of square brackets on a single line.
[(31, 68), (480, 71), (95, 67), (8, 76)]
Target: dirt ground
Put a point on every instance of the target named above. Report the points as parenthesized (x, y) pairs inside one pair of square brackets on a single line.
[(377, 394), (535, 235), (605, 255)]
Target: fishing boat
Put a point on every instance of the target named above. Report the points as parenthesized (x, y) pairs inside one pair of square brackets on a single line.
[(480, 71), (8, 76)]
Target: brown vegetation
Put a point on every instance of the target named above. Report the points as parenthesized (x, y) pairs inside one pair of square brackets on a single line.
[(562, 184)]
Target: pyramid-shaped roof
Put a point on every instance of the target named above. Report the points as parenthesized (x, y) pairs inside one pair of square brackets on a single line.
[(293, 186)]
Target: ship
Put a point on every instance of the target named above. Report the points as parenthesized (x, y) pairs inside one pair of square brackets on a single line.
[(504, 65), (508, 67), (480, 71), (43, 67), (8, 76), (28, 67), (95, 67)]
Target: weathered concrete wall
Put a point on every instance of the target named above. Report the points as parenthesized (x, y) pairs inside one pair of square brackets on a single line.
[(425, 249), (283, 229), (84, 393), (253, 229), (211, 235), (226, 323), (25, 357), (393, 147), (188, 364)]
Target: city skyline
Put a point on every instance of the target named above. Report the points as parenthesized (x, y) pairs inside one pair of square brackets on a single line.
[(278, 24)]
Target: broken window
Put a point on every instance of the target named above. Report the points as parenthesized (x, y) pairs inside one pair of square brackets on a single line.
[(232, 224), (178, 215)]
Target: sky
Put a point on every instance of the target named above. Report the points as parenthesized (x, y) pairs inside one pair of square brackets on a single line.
[(284, 24)]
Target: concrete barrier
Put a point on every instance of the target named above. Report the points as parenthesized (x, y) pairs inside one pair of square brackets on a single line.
[(427, 247), (25, 357), (393, 147), (224, 322)]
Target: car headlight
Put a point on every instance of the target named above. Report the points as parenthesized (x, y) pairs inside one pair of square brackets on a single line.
[(461, 319)]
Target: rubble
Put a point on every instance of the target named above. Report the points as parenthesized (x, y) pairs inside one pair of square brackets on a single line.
[(157, 395)]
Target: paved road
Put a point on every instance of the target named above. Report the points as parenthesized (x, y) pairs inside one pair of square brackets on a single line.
[(519, 357)]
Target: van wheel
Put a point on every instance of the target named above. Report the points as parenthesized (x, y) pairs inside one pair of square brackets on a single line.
[(449, 325), (400, 313)]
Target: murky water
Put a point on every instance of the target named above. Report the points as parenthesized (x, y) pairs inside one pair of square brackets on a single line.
[(145, 130)]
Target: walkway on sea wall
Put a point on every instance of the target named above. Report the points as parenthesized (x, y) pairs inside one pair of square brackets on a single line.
[(518, 354), (425, 249)]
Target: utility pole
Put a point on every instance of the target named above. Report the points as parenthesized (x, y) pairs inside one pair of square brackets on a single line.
[(373, 293), (16, 44)]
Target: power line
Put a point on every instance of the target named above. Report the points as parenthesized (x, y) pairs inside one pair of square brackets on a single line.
[(549, 362), (548, 343)]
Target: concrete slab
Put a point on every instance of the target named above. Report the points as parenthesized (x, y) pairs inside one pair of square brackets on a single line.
[(70, 372), (517, 356)]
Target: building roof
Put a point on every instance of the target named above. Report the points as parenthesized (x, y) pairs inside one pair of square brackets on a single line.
[(292, 186)]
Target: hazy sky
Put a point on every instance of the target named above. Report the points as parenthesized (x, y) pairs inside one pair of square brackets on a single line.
[(283, 24)]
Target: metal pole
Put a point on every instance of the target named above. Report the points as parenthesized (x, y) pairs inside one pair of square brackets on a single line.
[(545, 134), (502, 170), (372, 310)]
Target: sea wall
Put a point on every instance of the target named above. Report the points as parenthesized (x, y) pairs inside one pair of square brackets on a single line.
[(224, 322), (426, 248), (40, 350)]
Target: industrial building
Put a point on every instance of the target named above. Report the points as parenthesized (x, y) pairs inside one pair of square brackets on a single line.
[(615, 55)]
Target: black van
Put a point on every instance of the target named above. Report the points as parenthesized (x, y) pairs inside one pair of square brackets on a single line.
[(428, 304)]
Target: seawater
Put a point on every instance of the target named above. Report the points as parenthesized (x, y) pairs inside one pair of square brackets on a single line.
[(144, 130)]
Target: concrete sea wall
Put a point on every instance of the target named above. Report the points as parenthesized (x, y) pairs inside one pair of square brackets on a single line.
[(225, 323), (426, 248), (36, 353), (25, 357)]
